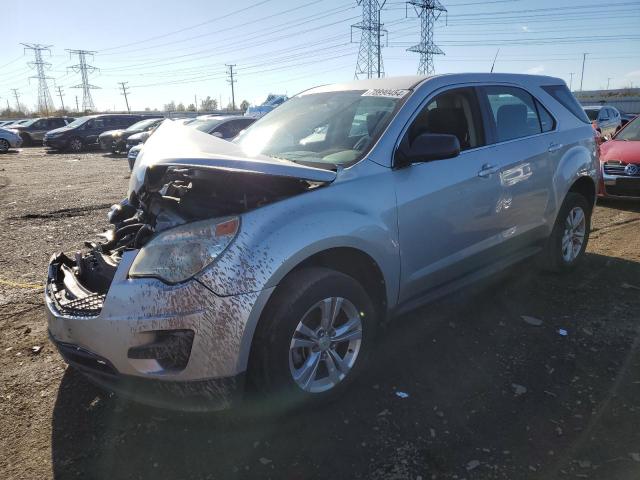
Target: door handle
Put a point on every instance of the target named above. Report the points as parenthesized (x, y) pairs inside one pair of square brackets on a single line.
[(488, 170), (554, 147)]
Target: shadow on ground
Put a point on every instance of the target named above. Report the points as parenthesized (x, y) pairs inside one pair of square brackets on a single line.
[(490, 396)]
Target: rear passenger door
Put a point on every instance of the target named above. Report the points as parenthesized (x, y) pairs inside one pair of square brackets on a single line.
[(524, 147), (446, 208)]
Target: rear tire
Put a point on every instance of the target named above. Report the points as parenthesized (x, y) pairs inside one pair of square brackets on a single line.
[(568, 241), (296, 359)]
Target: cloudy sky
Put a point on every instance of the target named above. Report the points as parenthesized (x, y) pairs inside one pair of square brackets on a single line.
[(178, 50)]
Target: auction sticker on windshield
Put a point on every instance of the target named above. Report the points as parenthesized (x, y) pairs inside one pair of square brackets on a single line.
[(385, 92)]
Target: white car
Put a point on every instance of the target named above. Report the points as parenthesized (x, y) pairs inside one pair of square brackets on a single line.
[(9, 139)]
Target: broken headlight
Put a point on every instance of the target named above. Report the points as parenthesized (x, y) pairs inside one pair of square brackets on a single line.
[(178, 254)]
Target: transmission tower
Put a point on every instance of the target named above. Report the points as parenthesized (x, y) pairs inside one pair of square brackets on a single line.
[(369, 62), (45, 104), (84, 69), (429, 11)]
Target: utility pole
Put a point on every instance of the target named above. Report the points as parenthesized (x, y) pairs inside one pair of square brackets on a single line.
[(571, 80), (195, 102), (232, 81), (125, 90), (17, 97), (77, 106), (45, 104), (61, 100), (608, 80), (584, 57), (369, 61), (429, 12), (84, 69)]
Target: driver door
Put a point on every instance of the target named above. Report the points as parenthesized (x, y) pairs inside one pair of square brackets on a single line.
[(447, 217)]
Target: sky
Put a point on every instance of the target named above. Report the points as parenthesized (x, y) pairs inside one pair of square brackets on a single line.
[(177, 51)]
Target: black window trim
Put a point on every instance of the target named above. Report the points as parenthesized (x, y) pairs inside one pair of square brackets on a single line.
[(476, 86)]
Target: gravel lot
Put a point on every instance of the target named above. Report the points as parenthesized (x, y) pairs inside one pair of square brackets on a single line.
[(490, 395)]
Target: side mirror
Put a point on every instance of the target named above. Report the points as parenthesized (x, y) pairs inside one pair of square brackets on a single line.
[(428, 147)]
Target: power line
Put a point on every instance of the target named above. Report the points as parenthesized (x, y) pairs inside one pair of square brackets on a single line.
[(125, 91), (429, 11), (45, 104), (369, 60), (84, 69), (231, 81)]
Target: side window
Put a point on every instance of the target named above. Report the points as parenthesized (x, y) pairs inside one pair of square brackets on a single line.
[(562, 95), (40, 124), (98, 123), (546, 120), (513, 111), (604, 114), (230, 129), (454, 112)]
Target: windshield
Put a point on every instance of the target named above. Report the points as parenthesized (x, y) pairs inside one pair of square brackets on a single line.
[(142, 124), (631, 131), (592, 113), (334, 128), (28, 123), (79, 121)]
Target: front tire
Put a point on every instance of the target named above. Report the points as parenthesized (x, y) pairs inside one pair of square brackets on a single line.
[(314, 338), (4, 145), (75, 145), (568, 241)]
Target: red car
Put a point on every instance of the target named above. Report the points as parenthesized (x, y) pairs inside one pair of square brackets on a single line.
[(620, 163)]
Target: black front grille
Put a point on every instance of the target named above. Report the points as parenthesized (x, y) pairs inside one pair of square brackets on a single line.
[(89, 306)]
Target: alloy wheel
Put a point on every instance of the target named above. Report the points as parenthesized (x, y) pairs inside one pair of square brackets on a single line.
[(4, 145), (325, 345), (75, 145), (575, 228)]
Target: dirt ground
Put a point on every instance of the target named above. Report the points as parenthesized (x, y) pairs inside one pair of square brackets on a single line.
[(490, 395)]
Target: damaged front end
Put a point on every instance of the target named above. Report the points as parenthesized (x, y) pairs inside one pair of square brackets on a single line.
[(182, 211)]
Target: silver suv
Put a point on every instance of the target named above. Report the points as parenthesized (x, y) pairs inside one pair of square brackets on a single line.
[(272, 260)]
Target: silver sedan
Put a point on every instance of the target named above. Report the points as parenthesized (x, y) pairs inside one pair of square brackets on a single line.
[(9, 139)]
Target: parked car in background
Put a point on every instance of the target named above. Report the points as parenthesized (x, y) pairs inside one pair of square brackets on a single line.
[(606, 120), (225, 127), (9, 139), (132, 154), (137, 139), (32, 131), (6, 123), (271, 260), (620, 162), (116, 140), (272, 101), (84, 131)]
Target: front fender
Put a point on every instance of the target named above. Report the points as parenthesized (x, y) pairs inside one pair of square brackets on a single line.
[(355, 211)]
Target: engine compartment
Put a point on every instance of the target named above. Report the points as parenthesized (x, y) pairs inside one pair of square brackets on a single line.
[(172, 196)]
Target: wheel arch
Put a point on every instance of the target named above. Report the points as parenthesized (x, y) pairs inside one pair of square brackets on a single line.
[(586, 187), (347, 260)]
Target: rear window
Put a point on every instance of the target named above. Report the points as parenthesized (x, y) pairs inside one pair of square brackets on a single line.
[(562, 94)]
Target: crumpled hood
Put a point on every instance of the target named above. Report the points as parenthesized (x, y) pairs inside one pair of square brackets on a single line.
[(183, 146)]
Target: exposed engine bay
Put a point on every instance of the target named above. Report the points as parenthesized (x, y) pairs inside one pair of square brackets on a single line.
[(170, 196)]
